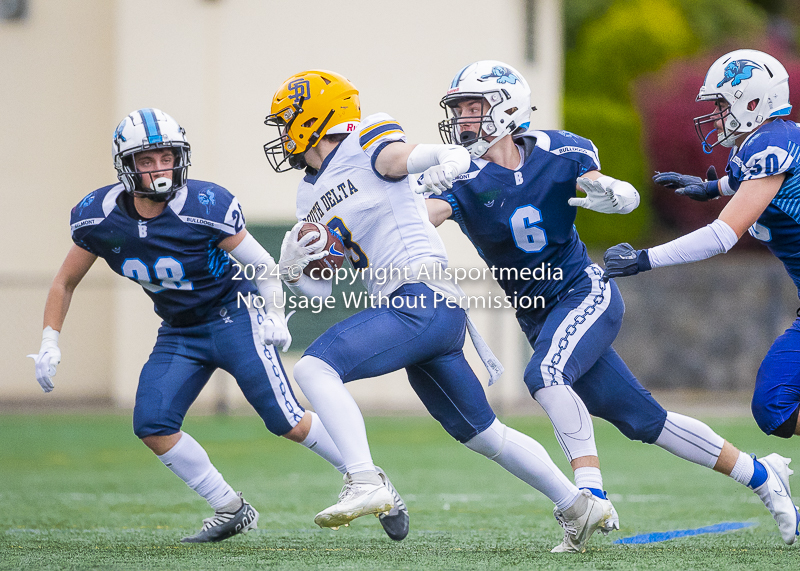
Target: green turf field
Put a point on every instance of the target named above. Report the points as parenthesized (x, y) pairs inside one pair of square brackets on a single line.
[(83, 492)]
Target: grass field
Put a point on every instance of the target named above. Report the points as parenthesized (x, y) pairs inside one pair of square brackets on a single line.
[(82, 492)]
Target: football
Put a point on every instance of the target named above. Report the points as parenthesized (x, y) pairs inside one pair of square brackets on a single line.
[(335, 258)]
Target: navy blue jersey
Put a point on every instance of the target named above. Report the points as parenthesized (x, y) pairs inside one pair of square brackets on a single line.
[(774, 149), (174, 256), (521, 218)]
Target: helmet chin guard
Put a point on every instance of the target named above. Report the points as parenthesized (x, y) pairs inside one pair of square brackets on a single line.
[(507, 107), (146, 130), (755, 87)]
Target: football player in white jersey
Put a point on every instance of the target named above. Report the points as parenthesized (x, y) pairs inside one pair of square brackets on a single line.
[(355, 184)]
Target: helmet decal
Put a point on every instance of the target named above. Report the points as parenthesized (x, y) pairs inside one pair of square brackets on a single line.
[(738, 70), (118, 136), (501, 74), (151, 126), (298, 89), (206, 198)]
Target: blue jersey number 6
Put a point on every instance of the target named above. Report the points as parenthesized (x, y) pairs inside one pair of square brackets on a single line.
[(527, 235)]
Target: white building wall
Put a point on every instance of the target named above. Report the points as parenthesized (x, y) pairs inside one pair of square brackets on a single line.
[(79, 66)]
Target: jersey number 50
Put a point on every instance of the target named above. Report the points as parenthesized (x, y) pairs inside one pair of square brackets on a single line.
[(527, 235)]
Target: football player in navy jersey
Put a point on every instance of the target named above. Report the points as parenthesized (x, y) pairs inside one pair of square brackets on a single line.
[(750, 91), (173, 236), (516, 203), (355, 183)]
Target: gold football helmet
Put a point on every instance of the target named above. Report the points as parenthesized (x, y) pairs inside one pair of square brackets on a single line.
[(308, 106)]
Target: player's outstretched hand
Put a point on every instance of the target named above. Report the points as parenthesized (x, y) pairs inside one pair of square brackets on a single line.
[(598, 197), (296, 253), (693, 187), (47, 359), (275, 330), (622, 260), (437, 179)]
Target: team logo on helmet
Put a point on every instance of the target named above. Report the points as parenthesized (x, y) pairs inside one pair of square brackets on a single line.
[(118, 136), (206, 198), (298, 89), (738, 70), (501, 74)]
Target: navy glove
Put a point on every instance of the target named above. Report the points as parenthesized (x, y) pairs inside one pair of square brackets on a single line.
[(692, 186), (622, 260)]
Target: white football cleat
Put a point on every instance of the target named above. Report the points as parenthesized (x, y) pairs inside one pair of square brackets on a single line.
[(587, 515), (776, 495), (612, 523), (356, 499)]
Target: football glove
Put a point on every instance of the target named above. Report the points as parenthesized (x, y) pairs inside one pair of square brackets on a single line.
[(622, 260), (48, 358), (692, 186), (297, 254), (606, 195), (275, 330)]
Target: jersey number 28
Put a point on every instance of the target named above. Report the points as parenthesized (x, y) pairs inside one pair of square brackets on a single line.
[(169, 273)]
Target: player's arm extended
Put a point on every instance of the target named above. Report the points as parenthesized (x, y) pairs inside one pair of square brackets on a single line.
[(741, 212), (605, 194), (439, 164), (75, 266)]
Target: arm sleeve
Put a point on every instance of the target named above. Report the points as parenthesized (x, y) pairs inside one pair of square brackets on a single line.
[(250, 252), (716, 238)]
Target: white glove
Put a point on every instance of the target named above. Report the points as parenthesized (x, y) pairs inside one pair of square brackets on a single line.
[(439, 165), (297, 254), (437, 179), (49, 356), (275, 330), (606, 195)]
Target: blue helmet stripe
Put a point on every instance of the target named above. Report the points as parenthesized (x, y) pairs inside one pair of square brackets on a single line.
[(151, 126), (457, 78)]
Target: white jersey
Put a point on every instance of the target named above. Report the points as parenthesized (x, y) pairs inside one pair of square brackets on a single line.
[(383, 224)]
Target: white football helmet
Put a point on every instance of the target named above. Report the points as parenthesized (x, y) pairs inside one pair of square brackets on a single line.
[(509, 99), (756, 87), (145, 130)]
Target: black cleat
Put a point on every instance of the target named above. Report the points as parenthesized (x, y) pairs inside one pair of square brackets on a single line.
[(223, 525), (395, 523)]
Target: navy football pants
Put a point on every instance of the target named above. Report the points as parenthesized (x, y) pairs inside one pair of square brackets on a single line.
[(184, 358), (424, 340), (571, 343)]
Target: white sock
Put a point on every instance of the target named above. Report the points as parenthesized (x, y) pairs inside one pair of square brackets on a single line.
[(338, 411), (189, 461), (571, 421), (691, 440), (744, 469), (319, 442), (526, 459), (589, 477)]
